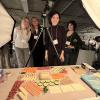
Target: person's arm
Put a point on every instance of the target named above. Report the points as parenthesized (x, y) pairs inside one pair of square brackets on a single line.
[(63, 36), (62, 56), (46, 45), (29, 35), (31, 41), (14, 35), (46, 55), (79, 42)]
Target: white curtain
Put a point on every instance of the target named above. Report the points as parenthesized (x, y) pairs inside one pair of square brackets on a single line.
[(6, 26), (93, 9)]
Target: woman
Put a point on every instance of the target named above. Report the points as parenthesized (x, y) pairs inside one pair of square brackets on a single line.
[(36, 45), (57, 34), (72, 45), (21, 37)]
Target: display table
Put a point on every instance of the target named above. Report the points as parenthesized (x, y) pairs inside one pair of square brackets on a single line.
[(81, 92)]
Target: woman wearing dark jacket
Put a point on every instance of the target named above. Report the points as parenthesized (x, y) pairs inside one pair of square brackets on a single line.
[(57, 34), (38, 52), (72, 45)]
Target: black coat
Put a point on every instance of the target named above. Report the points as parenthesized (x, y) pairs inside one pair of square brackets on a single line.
[(39, 50), (60, 35), (75, 41)]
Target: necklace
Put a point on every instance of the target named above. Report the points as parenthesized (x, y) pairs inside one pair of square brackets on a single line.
[(55, 32)]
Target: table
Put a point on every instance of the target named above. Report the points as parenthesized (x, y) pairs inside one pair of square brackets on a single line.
[(7, 85)]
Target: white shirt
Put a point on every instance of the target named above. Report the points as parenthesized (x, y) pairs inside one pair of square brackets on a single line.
[(21, 38)]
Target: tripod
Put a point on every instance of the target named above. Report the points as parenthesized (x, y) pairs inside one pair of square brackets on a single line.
[(43, 31)]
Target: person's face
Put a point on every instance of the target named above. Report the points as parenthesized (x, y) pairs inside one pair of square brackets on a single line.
[(55, 19), (70, 27), (25, 23), (35, 22)]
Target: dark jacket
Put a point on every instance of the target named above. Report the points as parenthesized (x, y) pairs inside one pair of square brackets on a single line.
[(38, 50), (75, 41), (55, 32), (32, 41)]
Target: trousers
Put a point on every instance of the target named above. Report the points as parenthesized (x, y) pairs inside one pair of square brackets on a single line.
[(22, 55)]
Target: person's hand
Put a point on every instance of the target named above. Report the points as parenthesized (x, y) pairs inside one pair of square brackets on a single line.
[(46, 55), (62, 56), (70, 46)]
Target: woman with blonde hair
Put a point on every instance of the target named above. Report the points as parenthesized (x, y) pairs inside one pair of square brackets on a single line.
[(21, 38)]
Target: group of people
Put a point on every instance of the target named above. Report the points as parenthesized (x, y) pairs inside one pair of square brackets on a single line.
[(61, 46)]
